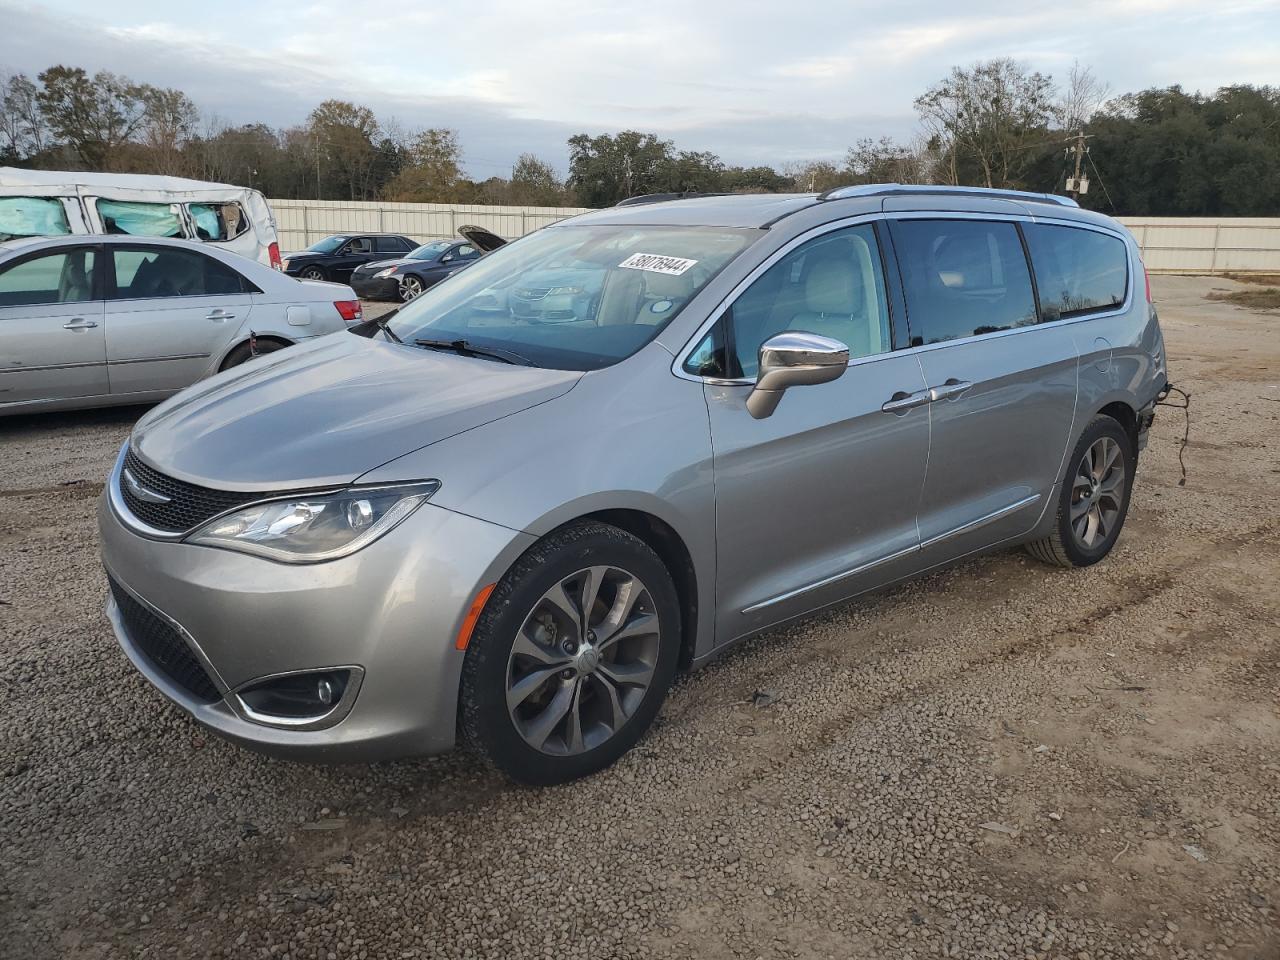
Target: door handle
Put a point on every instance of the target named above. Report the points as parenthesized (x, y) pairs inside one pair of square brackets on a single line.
[(902, 401), (220, 315), (80, 323), (950, 390)]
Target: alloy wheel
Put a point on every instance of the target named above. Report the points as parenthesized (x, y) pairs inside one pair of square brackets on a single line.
[(410, 287), (1097, 493), (313, 273), (582, 660)]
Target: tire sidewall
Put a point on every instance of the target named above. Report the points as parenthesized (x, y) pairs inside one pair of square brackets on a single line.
[(1077, 553), (484, 717), (313, 273)]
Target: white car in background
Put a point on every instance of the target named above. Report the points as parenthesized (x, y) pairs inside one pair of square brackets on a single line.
[(90, 321), (54, 203)]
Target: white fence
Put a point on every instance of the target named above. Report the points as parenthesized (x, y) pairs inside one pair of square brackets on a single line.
[(1194, 245), (1208, 244), (303, 222)]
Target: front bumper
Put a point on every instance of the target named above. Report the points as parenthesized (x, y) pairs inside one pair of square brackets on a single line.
[(373, 288), (392, 610)]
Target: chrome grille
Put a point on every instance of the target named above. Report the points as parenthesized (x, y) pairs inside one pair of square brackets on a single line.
[(186, 506)]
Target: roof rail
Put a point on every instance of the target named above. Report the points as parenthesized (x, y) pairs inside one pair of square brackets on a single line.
[(903, 189), (660, 197)]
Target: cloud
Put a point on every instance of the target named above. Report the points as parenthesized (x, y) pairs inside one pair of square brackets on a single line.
[(754, 83)]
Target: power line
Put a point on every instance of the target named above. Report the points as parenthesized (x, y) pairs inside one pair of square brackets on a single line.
[(1102, 183)]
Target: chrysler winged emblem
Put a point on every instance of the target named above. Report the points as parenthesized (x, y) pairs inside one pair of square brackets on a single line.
[(145, 494)]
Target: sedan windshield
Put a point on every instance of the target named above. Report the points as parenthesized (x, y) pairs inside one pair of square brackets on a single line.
[(572, 297), (327, 245), (429, 251)]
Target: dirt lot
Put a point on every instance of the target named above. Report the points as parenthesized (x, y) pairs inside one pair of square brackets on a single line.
[(1002, 760)]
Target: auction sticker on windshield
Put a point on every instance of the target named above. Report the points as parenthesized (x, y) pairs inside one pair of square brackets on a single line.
[(656, 263)]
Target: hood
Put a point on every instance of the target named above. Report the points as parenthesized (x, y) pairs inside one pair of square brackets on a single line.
[(383, 264), (324, 413), (481, 238)]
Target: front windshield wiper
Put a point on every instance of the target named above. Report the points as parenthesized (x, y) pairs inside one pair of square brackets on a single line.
[(468, 349)]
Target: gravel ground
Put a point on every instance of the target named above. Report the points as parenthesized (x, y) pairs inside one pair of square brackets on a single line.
[(1002, 760)]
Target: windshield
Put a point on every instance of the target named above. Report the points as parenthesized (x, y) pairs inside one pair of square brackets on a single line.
[(429, 251), (327, 245), (573, 297)]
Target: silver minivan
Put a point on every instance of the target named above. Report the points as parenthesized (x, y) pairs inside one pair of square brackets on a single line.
[(475, 519)]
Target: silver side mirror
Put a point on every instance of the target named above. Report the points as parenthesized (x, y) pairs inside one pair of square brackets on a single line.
[(794, 359)]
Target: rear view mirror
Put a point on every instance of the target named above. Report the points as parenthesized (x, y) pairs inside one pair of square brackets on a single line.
[(794, 359)]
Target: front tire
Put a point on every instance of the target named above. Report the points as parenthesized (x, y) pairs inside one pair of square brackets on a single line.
[(313, 273), (411, 287), (550, 695), (1094, 499)]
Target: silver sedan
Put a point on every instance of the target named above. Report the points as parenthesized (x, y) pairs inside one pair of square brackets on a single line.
[(96, 321)]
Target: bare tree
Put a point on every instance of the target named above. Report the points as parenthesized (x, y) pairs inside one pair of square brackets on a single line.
[(22, 128), (984, 119), (1082, 97), (168, 125)]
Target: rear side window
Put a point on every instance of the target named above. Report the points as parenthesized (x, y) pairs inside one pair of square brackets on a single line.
[(963, 278), (218, 221), (1077, 271), (147, 273), (389, 245), (64, 277), (140, 219)]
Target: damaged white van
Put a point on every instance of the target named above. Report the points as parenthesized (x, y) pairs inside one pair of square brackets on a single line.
[(54, 203)]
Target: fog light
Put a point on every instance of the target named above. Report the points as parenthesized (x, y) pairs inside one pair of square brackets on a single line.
[(294, 698)]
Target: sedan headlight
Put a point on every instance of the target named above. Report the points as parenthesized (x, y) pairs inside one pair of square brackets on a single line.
[(390, 271), (284, 264), (311, 528)]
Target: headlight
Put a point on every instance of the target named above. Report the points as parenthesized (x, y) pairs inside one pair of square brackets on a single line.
[(284, 264), (314, 528), (385, 273)]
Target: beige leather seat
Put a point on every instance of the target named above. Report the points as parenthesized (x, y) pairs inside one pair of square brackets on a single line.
[(835, 305)]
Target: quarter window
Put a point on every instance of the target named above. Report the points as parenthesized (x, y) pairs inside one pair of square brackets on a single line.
[(145, 273), (1077, 271), (963, 278), (65, 277), (218, 221), (832, 285)]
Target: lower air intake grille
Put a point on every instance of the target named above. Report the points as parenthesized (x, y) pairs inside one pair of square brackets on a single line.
[(163, 646)]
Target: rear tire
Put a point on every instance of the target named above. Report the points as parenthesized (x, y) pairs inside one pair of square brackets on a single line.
[(1094, 497), (242, 352), (545, 701)]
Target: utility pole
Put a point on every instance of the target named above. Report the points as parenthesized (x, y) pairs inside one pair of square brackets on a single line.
[(1076, 184)]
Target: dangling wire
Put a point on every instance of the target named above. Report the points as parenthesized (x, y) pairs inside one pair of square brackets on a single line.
[(1185, 405)]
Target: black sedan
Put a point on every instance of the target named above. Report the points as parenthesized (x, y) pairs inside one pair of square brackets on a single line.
[(405, 278), (333, 258)]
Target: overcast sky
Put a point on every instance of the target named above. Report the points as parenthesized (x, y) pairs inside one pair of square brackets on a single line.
[(754, 82)]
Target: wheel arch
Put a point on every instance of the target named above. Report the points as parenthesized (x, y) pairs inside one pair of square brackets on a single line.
[(1123, 412), (241, 341), (663, 539)]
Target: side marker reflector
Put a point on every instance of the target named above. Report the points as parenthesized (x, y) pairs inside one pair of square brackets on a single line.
[(469, 622)]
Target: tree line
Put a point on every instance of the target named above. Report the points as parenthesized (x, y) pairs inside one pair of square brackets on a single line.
[(1157, 152)]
